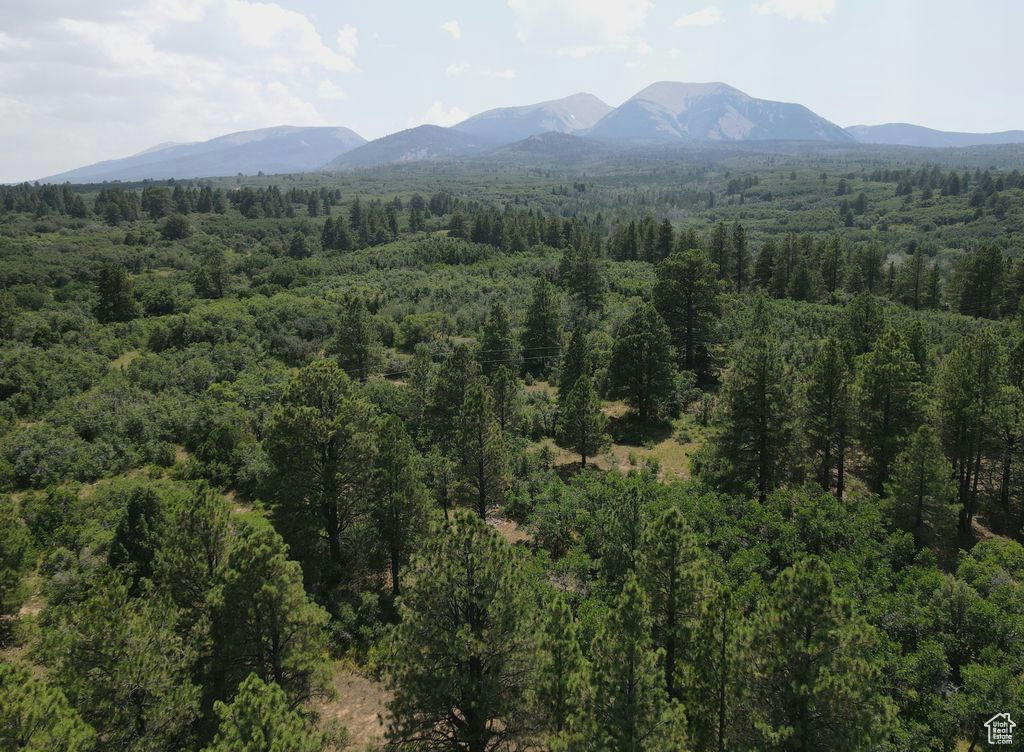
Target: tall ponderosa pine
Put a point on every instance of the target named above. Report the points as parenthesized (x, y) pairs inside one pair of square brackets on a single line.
[(673, 579), (507, 392), (498, 345), (920, 487), (356, 343), (968, 387), (980, 280), (627, 707), (399, 504), (719, 251), (577, 362), (321, 442), (740, 258), (460, 658), (887, 403), (712, 675), (481, 450), (815, 679), (581, 424), (754, 442), (560, 665), (447, 392), (541, 336), (263, 621), (641, 368), (686, 294), (585, 275), (826, 421)]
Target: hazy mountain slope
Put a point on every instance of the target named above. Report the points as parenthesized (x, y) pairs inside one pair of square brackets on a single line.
[(270, 150), (671, 111), (423, 143), (905, 134), (508, 124)]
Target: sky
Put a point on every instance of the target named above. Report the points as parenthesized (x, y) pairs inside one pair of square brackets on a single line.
[(86, 80)]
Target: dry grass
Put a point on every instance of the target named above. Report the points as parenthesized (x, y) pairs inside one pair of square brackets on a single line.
[(122, 362), (359, 704), (509, 530)]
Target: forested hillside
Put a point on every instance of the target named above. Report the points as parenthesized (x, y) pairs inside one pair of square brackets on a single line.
[(709, 453)]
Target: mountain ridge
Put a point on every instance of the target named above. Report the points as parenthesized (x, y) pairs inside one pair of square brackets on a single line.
[(663, 113)]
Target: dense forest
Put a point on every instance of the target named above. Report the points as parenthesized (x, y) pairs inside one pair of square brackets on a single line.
[(705, 454)]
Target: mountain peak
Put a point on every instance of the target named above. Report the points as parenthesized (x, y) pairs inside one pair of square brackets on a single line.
[(668, 111), (573, 113)]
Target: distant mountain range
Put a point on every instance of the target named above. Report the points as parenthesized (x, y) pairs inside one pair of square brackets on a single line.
[(270, 150), (905, 134), (578, 126)]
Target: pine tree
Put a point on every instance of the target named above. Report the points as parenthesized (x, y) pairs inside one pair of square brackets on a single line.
[(211, 274), (116, 301), (541, 337), (720, 250), (673, 581), (15, 557), (498, 345), (481, 450), (741, 258), (980, 279), (508, 399), (686, 295), (712, 675), (887, 403), (399, 504), (755, 439), (816, 683), (263, 621), (585, 275), (581, 424), (447, 392), (321, 444), (120, 663), (764, 267), (827, 406), (560, 667), (459, 659), (260, 719), (641, 368), (920, 488), (863, 323), (968, 388), (36, 717), (666, 240), (627, 707), (576, 363), (832, 263), (356, 343)]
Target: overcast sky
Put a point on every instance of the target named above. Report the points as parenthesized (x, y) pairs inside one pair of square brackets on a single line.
[(85, 80)]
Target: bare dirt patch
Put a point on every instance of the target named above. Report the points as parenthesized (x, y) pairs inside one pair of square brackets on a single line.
[(360, 705)]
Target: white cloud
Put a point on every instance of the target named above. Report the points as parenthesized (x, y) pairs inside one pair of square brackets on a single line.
[(330, 91), (709, 16), (348, 40), (456, 70), (438, 114), (453, 28), (579, 28), (802, 10), (85, 81)]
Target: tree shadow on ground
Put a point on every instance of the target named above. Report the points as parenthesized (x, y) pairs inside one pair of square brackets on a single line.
[(630, 431)]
